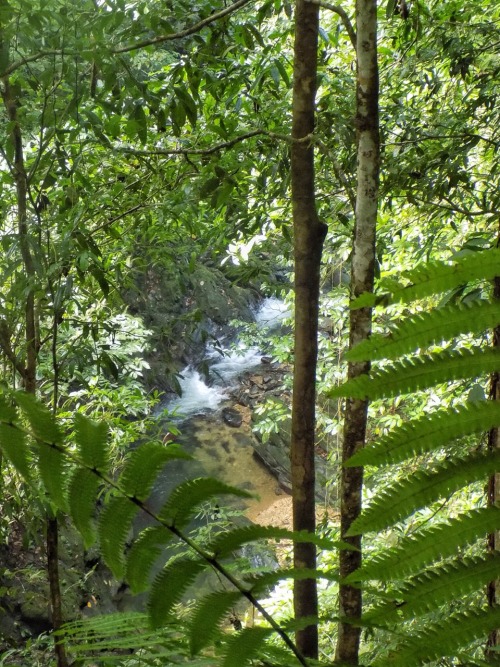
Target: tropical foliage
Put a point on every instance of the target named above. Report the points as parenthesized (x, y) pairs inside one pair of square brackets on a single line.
[(142, 140)]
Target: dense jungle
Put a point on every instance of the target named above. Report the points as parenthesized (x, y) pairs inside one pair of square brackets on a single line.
[(249, 333)]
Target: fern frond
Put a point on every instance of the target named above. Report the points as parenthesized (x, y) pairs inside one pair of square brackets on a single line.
[(108, 635), (415, 552), (92, 442), (244, 646), (41, 420), (399, 500), (14, 444), (114, 525), (53, 468), (423, 329), (207, 616), (143, 466), (144, 552), (434, 588), (262, 582), (169, 587), (442, 639), (225, 543), (82, 497), (420, 373), (435, 277), (186, 497), (428, 433)]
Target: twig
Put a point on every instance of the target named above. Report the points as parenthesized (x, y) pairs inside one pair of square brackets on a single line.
[(186, 32), (343, 15)]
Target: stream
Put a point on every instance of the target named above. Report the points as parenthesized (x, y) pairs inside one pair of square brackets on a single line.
[(220, 450)]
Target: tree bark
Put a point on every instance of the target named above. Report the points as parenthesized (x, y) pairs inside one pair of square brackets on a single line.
[(362, 278), (493, 593), (31, 338), (309, 234)]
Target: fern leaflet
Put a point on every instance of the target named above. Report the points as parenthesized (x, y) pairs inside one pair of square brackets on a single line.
[(82, 494), (244, 646), (145, 550), (420, 373), (415, 552), (13, 444), (401, 499), (143, 466), (431, 589), (207, 617), (443, 639), (423, 329), (92, 443), (114, 525), (186, 497), (428, 433), (41, 421), (434, 277), (169, 587), (225, 543), (53, 468)]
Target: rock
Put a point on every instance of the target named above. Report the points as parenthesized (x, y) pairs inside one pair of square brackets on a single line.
[(232, 417), (266, 360)]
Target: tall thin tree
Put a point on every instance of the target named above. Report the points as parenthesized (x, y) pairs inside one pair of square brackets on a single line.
[(309, 234), (362, 277)]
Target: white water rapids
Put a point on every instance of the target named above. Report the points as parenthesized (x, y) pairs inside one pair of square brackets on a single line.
[(197, 396)]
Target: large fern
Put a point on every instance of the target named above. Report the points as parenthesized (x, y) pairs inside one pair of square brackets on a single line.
[(440, 573), (72, 472)]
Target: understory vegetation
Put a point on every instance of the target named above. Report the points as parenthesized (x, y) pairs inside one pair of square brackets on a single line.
[(164, 167)]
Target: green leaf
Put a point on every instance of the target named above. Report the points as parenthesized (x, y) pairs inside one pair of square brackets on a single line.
[(227, 542), (144, 465), (420, 373), (420, 549), (207, 616), (441, 639), (92, 442), (244, 646), (53, 468), (114, 526), (185, 498), (429, 432), (434, 588), (82, 498), (41, 421), (435, 277), (144, 552), (399, 500), (423, 329), (14, 444), (169, 587)]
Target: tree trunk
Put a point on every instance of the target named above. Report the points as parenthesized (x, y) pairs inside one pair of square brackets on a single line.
[(31, 339), (309, 234), (362, 277), (494, 483)]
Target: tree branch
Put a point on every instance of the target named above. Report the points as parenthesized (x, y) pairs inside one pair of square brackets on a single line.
[(217, 147), (186, 32), (29, 59), (343, 15)]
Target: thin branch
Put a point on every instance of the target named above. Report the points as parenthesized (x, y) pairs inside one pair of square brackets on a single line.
[(343, 15), (186, 32), (6, 348), (29, 59)]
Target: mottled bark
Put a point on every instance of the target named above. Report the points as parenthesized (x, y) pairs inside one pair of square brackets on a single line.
[(362, 276), (309, 234), (493, 591)]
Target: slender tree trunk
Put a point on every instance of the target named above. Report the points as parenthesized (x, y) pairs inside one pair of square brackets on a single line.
[(494, 481), (31, 340), (362, 276), (309, 234)]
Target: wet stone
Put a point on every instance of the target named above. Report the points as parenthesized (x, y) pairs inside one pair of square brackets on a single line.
[(232, 417)]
